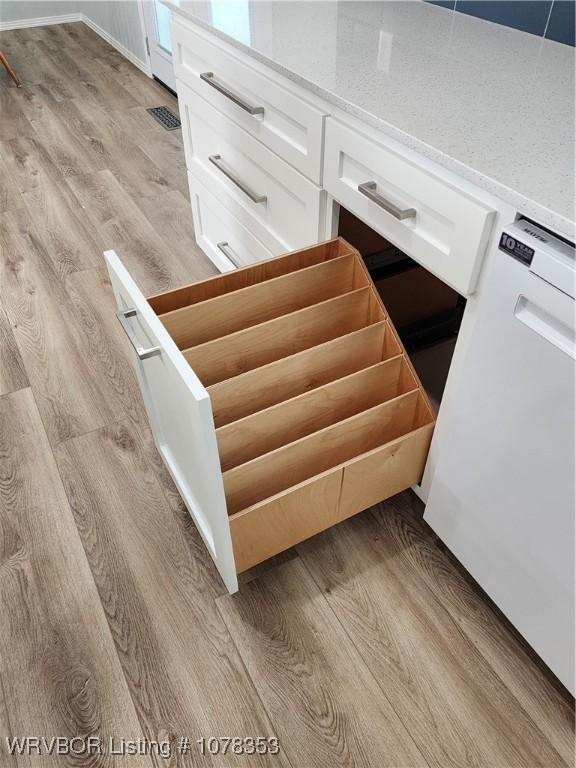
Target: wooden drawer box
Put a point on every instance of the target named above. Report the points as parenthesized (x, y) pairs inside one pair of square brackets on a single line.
[(440, 226), (262, 105), (280, 398)]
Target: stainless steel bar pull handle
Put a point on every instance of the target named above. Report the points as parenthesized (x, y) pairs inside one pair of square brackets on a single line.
[(369, 190), (229, 253), (209, 78), (223, 168), (143, 352)]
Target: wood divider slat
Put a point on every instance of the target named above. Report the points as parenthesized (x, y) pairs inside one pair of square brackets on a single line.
[(336, 444), (255, 304), (250, 275), (318, 410), (290, 420), (303, 510), (283, 336), (283, 379)]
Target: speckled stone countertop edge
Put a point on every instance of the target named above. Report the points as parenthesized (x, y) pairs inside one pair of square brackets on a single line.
[(524, 205)]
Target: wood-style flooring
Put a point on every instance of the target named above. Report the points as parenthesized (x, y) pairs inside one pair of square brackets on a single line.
[(366, 646)]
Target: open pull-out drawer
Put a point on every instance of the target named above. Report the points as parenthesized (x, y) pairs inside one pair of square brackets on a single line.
[(280, 398)]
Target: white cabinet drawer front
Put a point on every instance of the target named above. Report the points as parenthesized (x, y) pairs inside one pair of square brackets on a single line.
[(222, 237), (246, 176), (444, 228), (180, 416), (269, 111)]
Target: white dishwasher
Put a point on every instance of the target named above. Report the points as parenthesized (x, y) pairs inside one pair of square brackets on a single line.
[(502, 496)]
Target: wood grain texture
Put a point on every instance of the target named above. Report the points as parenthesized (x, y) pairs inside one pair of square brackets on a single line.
[(245, 276), (548, 704), (257, 303), (68, 237), (171, 217), (280, 337), (114, 148), (77, 37), (38, 68), (12, 372), (6, 756), (292, 419), (65, 147), (125, 229), (460, 712), (46, 329), (29, 163), (10, 196), (108, 355), (70, 240), (271, 384), (319, 452), (327, 706), (388, 468), (10, 70), (58, 665), (163, 148), (158, 595), (285, 519), (14, 122)]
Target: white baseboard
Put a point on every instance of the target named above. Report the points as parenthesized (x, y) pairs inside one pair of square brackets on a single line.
[(40, 21), (44, 21), (144, 66)]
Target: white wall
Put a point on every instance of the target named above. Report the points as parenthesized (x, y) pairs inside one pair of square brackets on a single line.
[(121, 20), (17, 10), (117, 20)]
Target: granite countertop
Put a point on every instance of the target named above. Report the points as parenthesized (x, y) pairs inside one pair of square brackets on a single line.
[(492, 104)]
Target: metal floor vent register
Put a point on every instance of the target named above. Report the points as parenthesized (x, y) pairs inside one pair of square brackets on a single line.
[(165, 117)]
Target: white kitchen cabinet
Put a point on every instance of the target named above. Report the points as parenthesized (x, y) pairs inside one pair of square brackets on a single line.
[(298, 137), (435, 222), (220, 235), (274, 114), (255, 185), (279, 396)]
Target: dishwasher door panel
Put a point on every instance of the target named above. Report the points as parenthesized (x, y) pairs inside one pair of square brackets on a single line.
[(502, 496)]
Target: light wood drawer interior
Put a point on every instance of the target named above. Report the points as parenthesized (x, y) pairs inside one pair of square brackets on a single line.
[(291, 376), (317, 410), (289, 420), (253, 347), (256, 304)]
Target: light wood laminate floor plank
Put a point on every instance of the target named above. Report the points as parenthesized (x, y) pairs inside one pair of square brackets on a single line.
[(126, 229), (116, 148), (504, 651), (7, 757), (60, 672), (158, 596), (326, 704), (46, 329), (459, 710), (10, 197), (12, 371), (13, 122)]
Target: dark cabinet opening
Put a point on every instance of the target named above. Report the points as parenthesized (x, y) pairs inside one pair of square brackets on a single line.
[(426, 312)]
